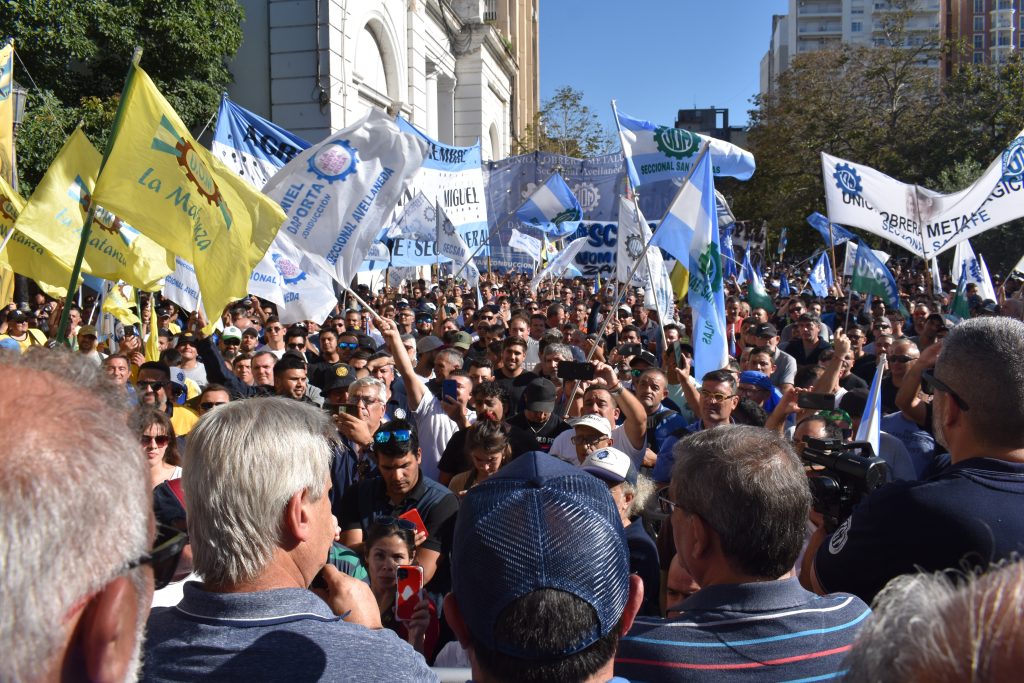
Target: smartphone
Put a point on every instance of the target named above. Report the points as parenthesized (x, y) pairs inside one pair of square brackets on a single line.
[(576, 371), (450, 387), (351, 409), (408, 591), (816, 401), (629, 349), (414, 517)]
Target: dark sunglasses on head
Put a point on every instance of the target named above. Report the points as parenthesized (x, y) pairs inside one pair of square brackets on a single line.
[(164, 556), (160, 439), (399, 436)]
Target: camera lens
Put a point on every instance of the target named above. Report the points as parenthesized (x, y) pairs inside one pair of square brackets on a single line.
[(403, 573)]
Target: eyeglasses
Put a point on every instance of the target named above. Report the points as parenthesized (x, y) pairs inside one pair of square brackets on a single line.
[(929, 378), (399, 435), (164, 556), (396, 521), (160, 440), (715, 397), (363, 400), (589, 440), (210, 405), (348, 345), (144, 386), (666, 504), (901, 359)]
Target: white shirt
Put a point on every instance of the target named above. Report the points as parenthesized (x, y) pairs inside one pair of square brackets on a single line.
[(434, 429), (562, 447)]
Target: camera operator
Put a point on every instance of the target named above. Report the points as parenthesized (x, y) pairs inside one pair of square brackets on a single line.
[(967, 515)]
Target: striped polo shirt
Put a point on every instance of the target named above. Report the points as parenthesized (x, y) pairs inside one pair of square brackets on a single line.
[(772, 630)]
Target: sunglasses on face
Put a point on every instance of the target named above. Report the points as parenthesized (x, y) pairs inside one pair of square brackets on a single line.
[(900, 359), (928, 377), (160, 440), (144, 386), (296, 347), (399, 435), (164, 556), (210, 405), (715, 397), (348, 345)]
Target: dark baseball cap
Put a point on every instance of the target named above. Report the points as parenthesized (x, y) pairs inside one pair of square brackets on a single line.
[(764, 330), (539, 395), (644, 357), (339, 376)]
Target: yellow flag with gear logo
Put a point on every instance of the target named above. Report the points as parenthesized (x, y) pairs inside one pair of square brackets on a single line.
[(173, 190), (7, 112), (24, 255), (56, 211)]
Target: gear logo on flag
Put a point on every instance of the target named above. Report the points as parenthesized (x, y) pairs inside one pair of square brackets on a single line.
[(571, 214), (588, 195), (710, 263), (429, 213), (1013, 160), (847, 180), (448, 228), (289, 272), (676, 142), (334, 161), (634, 246), (7, 210)]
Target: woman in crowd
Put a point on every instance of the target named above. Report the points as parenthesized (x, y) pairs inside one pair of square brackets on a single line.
[(487, 443), (156, 435), (390, 542)]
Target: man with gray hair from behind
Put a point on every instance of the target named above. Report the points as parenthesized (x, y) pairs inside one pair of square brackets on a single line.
[(931, 627), (260, 525), (75, 524)]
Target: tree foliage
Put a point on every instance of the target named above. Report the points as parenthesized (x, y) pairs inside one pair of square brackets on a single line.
[(566, 126), (77, 52), (884, 107)]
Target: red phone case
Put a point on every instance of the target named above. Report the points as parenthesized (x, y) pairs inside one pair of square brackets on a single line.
[(408, 591), (414, 517)]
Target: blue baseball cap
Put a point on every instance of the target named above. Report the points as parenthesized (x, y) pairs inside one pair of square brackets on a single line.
[(538, 523), (758, 379)]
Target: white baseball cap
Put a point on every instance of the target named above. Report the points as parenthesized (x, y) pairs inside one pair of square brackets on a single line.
[(596, 422), (612, 465)]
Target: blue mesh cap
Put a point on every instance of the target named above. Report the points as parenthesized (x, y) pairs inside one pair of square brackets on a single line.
[(538, 523)]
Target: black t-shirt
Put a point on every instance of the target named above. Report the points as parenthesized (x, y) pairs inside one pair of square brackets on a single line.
[(455, 458), (643, 561), (966, 516), (544, 436), (515, 386), (851, 382), (864, 367)]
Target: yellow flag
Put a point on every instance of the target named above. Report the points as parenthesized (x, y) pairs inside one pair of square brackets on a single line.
[(7, 286), (55, 212), (24, 255), (173, 190), (680, 278), (7, 111), (120, 303), (153, 340)]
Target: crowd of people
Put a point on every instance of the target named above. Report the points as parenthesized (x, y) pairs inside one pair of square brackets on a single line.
[(537, 488)]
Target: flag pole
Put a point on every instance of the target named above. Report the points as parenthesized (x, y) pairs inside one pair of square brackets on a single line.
[(76, 270), (361, 302), (636, 266)]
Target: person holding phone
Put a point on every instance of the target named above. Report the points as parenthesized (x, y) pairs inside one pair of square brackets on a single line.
[(390, 546)]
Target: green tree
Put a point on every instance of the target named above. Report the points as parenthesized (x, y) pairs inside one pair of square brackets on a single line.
[(566, 126), (78, 52)]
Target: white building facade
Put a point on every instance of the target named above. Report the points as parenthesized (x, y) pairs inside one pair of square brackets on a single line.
[(316, 66)]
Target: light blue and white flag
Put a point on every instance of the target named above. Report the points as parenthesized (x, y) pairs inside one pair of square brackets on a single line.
[(783, 241), (661, 152), (251, 145), (560, 263), (337, 194), (295, 281), (965, 258), (553, 208), (871, 423), (839, 233), (936, 274), (378, 258), (689, 232), (527, 244), (746, 273), (821, 276), (784, 289), (182, 286), (417, 221), (728, 253)]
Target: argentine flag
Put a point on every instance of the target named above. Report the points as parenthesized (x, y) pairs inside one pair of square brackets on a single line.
[(689, 232), (661, 152), (553, 208)]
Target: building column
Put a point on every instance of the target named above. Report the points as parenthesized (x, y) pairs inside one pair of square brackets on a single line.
[(446, 109), (431, 93)]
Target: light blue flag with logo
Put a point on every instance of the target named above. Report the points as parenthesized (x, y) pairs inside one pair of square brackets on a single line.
[(784, 289), (661, 152), (418, 221), (821, 276), (747, 270), (871, 423), (552, 208), (689, 233), (839, 233), (728, 254), (251, 145)]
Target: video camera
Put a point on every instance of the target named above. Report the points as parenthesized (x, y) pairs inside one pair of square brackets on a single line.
[(849, 472)]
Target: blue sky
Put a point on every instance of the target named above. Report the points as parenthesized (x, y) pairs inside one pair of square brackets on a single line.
[(655, 57)]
